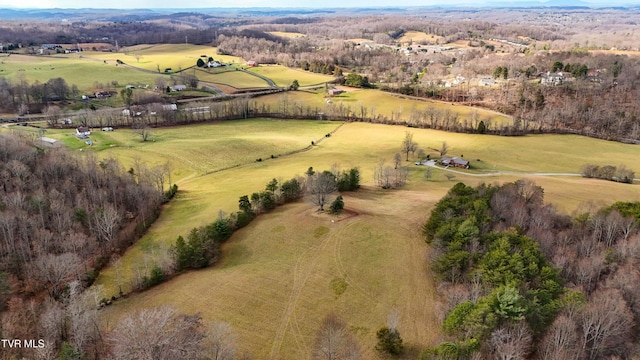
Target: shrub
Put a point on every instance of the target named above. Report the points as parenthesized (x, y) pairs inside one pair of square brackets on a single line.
[(169, 194), (156, 276), (291, 190), (349, 180), (389, 341), (336, 206), (242, 219)]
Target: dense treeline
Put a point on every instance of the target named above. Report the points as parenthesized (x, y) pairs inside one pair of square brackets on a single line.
[(520, 280), (61, 218)]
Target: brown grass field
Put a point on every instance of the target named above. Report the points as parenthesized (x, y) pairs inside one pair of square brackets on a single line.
[(387, 104), (277, 277), (417, 37)]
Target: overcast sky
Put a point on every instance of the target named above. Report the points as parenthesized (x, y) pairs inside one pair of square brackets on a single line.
[(139, 4)]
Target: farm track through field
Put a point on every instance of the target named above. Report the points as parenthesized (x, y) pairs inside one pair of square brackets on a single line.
[(305, 265), (266, 79), (337, 258)]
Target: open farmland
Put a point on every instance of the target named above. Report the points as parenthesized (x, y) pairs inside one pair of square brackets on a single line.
[(419, 37), (274, 283), (174, 56), (380, 103), (284, 76), (205, 148), (236, 79), (287, 34), (72, 69)]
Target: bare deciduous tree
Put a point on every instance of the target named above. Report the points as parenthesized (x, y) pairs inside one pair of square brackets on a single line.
[(408, 145), (221, 342), (106, 221), (560, 341), (444, 149), (320, 186), (52, 114), (606, 323), (335, 342), (57, 270), (158, 334), (511, 341), (397, 160)]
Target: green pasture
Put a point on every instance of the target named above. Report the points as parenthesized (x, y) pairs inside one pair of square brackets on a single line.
[(74, 70), (204, 148), (284, 76), (232, 78), (277, 276), (174, 56)]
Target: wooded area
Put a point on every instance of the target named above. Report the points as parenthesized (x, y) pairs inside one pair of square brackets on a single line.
[(62, 217), (521, 281)]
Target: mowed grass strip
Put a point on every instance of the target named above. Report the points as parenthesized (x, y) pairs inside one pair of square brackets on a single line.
[(284, 76)]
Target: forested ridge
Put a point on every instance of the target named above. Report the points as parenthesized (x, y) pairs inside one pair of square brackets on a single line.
[(519, 280), (62, 217)]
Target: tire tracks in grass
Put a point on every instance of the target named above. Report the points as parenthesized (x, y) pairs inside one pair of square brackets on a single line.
[(301, 272), (337, 258)]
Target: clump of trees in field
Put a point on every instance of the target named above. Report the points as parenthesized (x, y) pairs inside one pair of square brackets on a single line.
[(201, 248), (62, 217), (321, 185), (519, 279), (609, 172)]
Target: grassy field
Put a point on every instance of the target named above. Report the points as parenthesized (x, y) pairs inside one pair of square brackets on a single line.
[(278, 276), (232, 78), (283, 76), (204, 148), (174, 56), (416, 37), (381, 103), (287, 34), (72, 69)]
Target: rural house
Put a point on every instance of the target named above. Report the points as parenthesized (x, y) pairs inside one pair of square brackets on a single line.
[(179, 87), (456, 161), (83, 131), (551, 79), (252, 63)]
